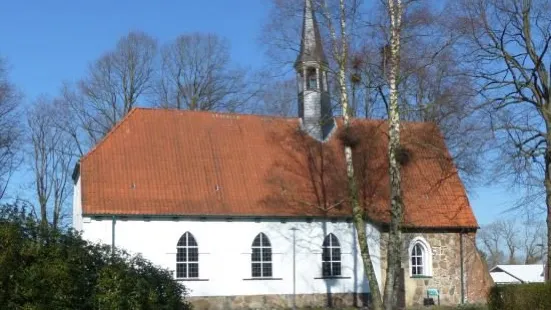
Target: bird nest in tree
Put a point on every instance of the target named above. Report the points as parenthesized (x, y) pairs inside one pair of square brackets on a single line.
[(403, 155), (350, 137)]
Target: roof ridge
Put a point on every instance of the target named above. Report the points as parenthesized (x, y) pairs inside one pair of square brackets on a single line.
[(110, 132), (253, 115), (214, 112)]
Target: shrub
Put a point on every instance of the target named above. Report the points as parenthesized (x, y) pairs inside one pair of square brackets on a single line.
[(44, 268), (533, 296)]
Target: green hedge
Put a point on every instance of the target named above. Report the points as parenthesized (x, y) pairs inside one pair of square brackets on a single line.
[(533, 296), (46, 268)]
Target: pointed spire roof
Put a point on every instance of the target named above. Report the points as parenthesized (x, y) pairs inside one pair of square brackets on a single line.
[(311, 47)]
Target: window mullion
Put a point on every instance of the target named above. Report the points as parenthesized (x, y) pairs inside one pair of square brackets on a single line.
[(187, 260)]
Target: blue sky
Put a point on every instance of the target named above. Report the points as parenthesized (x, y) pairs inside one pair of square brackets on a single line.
[(50, 41)]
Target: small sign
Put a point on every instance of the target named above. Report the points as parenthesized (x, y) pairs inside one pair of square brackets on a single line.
[(432, 292)]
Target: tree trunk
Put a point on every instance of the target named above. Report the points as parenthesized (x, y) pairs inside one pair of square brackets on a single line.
[(396, 205)]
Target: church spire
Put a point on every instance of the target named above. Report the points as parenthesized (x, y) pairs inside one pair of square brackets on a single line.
[(311, 47), (314, 104)]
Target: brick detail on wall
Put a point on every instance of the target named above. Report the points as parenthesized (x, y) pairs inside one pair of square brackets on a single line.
[(337, 301)]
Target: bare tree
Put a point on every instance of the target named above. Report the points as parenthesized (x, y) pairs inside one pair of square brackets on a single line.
[(533, 240), (507, 43), (279, 97), (115, 83), (197, 74), (490, 241), (434, 85), (509, 232), (52, 160), (9, 127), (509, 241)]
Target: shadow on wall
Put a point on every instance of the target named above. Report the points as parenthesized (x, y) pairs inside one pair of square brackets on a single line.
[(309, 245)]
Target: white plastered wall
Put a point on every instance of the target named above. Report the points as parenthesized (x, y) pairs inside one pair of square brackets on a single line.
[(225, 247)]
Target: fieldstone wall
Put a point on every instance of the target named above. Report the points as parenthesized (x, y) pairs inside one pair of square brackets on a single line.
[(337, 301), (446, 270)]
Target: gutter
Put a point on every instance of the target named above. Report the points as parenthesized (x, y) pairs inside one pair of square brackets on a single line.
[(383, 225)]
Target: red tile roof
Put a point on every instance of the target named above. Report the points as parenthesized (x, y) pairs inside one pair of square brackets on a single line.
[(168, 162)]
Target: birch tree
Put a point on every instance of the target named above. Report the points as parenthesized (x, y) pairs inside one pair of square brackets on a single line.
[(396, 203), (507, 45), (339, 49)]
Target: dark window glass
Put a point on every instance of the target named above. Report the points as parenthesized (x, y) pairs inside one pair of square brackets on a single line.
[(267, 254), (187, 257), (336, 266), (193, 254), (326, 269), (256, 254), (336, 252), (181, 270), (256, 241), (267, 269), (257, 270), (181, 255), (193, 270)]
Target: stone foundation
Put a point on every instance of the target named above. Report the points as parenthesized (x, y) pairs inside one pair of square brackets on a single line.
[(336, 301)]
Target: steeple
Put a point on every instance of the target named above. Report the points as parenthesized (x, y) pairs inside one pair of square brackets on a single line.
[(311, 47), (314, 105)]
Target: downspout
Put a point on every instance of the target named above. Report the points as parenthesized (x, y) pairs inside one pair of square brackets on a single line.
[(294, 229), (461, 255), (113, 222)]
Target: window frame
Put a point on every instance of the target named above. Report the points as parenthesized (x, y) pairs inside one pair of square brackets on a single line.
[(331, 259), (265, 257), (420, 244), (183, 260)]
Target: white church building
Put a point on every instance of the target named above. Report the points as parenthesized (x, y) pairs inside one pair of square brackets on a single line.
[(251, 212)]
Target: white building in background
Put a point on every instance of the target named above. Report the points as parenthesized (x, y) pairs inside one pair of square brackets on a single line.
[(517, 274), (253, 211)]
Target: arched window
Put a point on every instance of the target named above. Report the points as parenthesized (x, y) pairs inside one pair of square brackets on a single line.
[(261, 258), (331, 257), (420, 258), (312, 79), (187, 257)]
